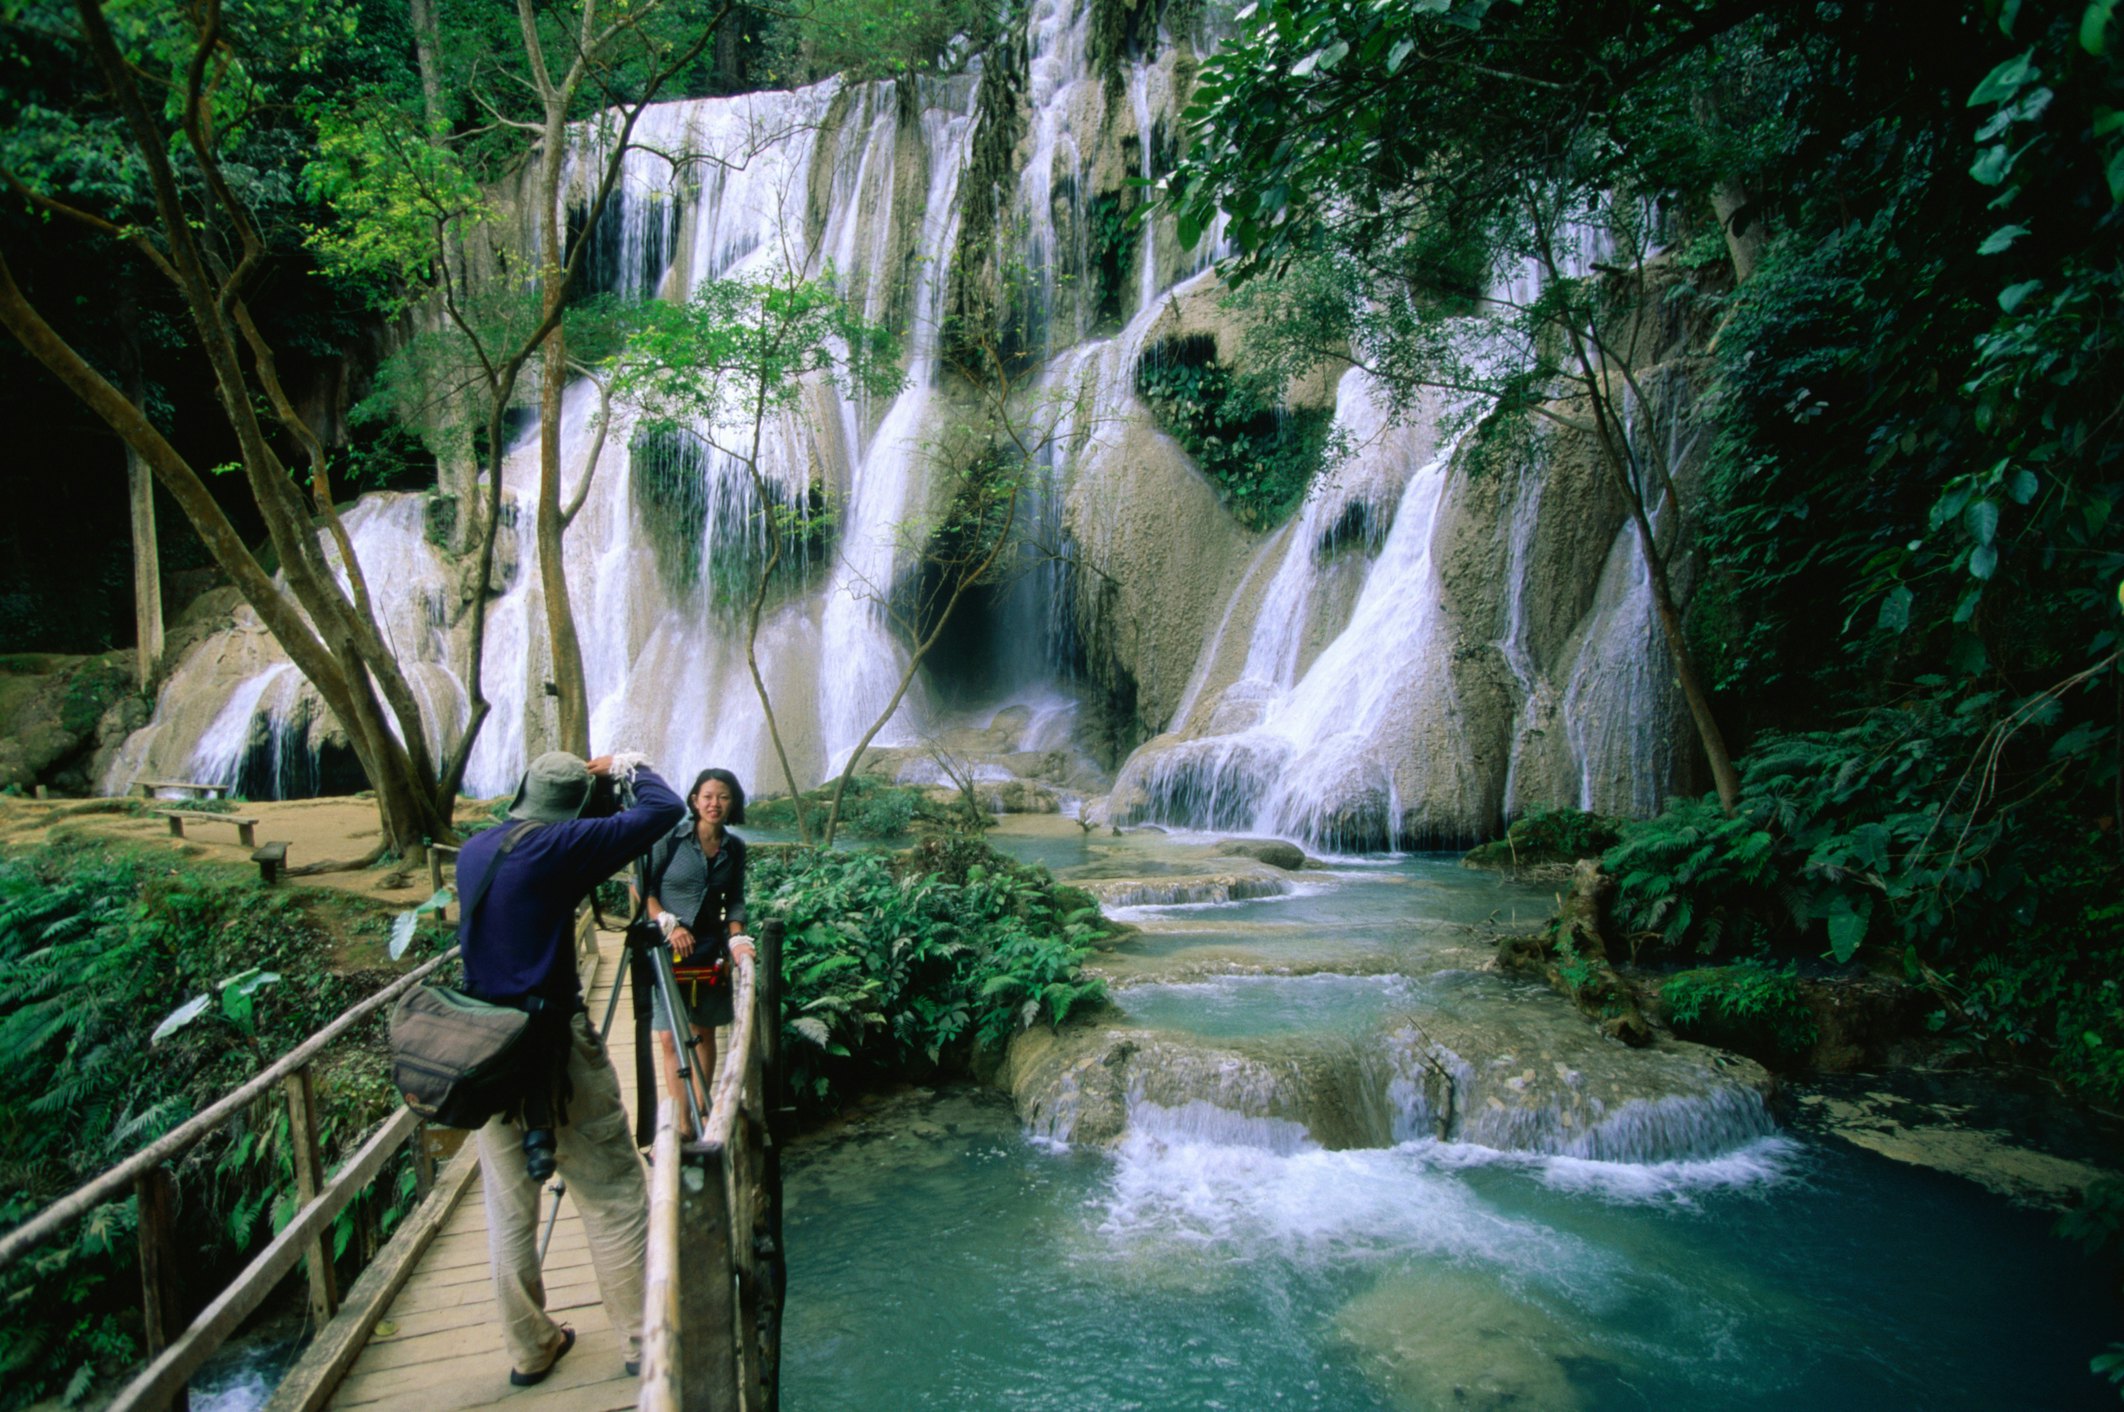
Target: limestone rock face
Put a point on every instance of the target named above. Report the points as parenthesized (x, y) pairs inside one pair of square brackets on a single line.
[(1488, 1063), (1166, 555), (52, 708)]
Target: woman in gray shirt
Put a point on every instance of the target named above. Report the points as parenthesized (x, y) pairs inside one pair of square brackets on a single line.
[(696, 893)]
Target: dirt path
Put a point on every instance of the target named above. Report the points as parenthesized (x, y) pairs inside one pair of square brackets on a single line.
[(315, 830)]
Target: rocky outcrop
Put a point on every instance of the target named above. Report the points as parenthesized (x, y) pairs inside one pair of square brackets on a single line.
[(1273, 851), (1484, 1065), (1572, 955), (57, 712)]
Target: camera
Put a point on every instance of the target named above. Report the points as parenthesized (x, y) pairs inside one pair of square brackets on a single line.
[(539, 1145), (609, 795)]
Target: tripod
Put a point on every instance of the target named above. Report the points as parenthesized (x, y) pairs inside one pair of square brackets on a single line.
[(654, 954)]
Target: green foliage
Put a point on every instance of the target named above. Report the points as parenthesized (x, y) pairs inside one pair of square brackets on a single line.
[(1544, 835), (1261, 456), (866, 39), (1752, 1007), (899, 964), (871, 808), (96, 946)]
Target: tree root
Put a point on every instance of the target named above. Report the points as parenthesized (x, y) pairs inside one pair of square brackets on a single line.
[(352, 865)]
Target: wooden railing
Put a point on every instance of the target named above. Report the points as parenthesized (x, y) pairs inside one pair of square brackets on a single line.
[(711, 1331), (173, 1356)]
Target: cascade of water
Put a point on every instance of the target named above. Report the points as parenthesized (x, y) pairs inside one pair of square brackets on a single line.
[(1620, 694), (1537, 700), (869, 663), (1053, 177), (1311, 762), (1139, 77)]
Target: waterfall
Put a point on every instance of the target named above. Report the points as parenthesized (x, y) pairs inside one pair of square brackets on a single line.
[(1354, 679)]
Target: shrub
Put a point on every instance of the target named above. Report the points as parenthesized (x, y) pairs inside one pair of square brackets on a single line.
[(97, 945), (1750, 1007), (1544, 835), (905, 964)]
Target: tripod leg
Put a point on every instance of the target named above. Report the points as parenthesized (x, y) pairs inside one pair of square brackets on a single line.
[(559, 1189), (604, 1031), (675, 1010)]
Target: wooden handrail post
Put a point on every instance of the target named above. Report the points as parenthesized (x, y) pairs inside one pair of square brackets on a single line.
[(309, 1180), (772, 1275), (707, 1287), (423, 1165), (157, 1293)]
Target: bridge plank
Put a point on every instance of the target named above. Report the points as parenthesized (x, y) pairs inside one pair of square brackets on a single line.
[(443, 1349)]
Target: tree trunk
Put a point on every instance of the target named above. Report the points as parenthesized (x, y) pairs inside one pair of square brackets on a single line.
[(140, 494), (553, 380), (147, 570)]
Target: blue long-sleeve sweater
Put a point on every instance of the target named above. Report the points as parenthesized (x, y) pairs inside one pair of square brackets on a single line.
[(521, 942)]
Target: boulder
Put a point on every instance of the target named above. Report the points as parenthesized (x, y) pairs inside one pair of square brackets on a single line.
[(52, 709), (1273, 851)]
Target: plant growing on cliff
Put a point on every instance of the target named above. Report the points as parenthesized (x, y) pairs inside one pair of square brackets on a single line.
[(1750, 1006), (1261, 455)]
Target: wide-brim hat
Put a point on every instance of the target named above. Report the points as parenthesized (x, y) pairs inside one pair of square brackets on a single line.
[(553, 790)]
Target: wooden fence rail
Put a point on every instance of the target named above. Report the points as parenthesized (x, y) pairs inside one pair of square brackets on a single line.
[(173, 1356), (711, 1331)]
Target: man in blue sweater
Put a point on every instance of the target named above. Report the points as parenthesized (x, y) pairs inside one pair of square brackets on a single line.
[(522, 883)]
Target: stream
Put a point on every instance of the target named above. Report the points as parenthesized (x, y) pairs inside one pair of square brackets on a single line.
[(1689, 1251)]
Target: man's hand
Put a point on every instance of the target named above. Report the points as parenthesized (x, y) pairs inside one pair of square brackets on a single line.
[(601, 766)]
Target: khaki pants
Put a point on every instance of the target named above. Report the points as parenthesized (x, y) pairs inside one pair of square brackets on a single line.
[(596, 1155)]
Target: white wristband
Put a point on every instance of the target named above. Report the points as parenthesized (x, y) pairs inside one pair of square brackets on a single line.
[(665, 922)]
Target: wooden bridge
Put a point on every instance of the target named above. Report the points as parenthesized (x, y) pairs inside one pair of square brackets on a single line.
[(419, 1324)]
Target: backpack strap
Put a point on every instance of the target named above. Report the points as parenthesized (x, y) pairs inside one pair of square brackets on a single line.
[(517, 831)]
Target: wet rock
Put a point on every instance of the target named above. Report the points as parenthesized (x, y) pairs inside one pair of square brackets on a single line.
[(1019, 797), (1475, 1061), (1573, 956), (51, 711), (1971, 1136), (1443, 1336), (1178, 891), (1273, 851)]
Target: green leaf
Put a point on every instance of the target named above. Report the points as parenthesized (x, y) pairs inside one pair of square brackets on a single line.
[(2094, 24), (1983, 562), (1847, 926), (2014, 295), (1992, 164), (2005, 80), (180, 1017), (2000, 239), (1981, 519), (1895, 610), (2023, 487)]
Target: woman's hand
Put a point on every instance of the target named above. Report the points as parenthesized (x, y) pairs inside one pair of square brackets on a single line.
[(741, 948), (682, 942)]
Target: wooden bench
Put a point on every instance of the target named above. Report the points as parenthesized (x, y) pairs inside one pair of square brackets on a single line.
[(147, 788), (245, 827), (269, 858)]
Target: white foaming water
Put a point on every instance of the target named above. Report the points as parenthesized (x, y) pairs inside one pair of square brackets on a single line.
[(866, 661), (1311, 763), (1312, 1206), (227, 739)]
